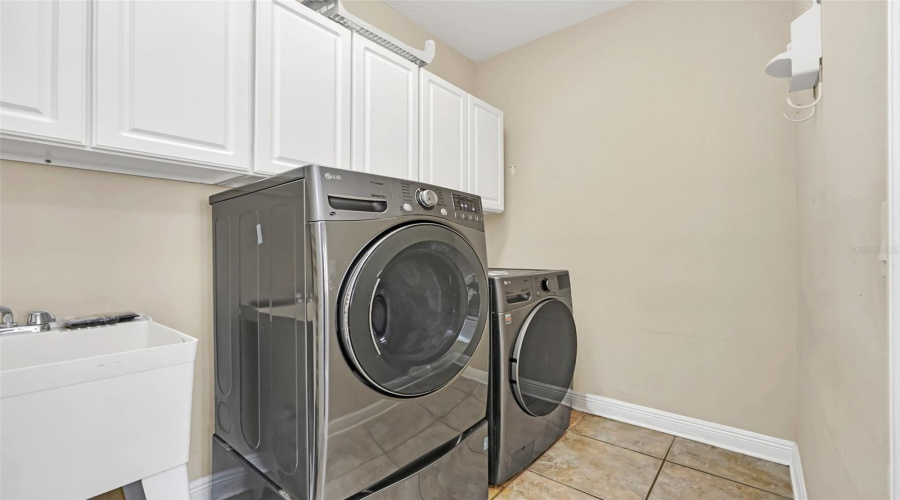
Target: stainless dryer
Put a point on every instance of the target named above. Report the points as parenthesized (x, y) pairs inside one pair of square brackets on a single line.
[(533, 348), (351, 339)]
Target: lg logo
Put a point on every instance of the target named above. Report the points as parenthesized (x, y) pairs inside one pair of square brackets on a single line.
[(332, 176)]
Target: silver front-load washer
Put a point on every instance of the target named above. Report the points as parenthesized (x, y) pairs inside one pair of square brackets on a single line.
[(533, 350), (351, 339)]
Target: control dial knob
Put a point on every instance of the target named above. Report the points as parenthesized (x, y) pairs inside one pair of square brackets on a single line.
[(548, 285), (426, 198)]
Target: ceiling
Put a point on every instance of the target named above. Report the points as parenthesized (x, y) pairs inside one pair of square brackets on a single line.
[(480, 29)]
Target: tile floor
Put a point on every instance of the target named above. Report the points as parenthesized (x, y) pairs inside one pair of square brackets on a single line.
[(611, 460), (602, 458)]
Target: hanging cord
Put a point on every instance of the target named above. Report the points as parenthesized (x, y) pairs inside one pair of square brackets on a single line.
[(798, 120), (817, 93)]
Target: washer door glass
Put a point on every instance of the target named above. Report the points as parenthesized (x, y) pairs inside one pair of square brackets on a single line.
[(413, 310), (544, 358)]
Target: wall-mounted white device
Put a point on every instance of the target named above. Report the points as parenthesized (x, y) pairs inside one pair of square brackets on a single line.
[(801, 63)]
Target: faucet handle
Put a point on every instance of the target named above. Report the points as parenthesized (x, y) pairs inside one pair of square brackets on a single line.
[(40, 318), (6, 316)]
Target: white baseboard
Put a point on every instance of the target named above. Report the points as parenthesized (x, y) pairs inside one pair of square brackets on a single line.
[(730, 438), (776, 450), (797, 481), (230, 481), (201, 488)]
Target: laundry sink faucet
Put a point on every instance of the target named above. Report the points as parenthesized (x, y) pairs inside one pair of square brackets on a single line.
[(6, 317), (38, 321)]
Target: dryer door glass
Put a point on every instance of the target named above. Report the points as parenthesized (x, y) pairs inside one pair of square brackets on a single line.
[(544, 358), (414, 308)]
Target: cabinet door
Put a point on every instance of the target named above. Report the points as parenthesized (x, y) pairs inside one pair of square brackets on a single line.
[(486, 153), (173, 80), (302, 88), (43, 69), (442, 133), (385, 112)]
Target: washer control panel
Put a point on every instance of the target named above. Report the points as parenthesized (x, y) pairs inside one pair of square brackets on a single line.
[(427, 198), (468, 206), (514, 288), (342, 195), (435, 201), (547, 286)]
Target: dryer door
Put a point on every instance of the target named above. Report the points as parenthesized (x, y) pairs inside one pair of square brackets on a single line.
[(543, 358), (413, 309)]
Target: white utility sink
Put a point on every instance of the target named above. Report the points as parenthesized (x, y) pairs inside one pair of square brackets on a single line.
[(86, 411)]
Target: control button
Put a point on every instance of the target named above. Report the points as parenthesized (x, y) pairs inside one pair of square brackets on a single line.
[(443, 211), (407, 207), (548, 285), (426, 198)]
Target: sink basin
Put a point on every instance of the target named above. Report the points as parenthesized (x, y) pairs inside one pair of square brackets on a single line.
[(85, 411)]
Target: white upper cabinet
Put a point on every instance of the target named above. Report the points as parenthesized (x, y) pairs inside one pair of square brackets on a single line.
[(385, 112), (461, 141), (214, 90), (443, 133), (302, 88), (486, 154), (174, 80), (43, 69)]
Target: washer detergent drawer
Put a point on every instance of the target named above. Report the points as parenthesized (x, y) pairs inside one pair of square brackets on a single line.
[(460, 474)]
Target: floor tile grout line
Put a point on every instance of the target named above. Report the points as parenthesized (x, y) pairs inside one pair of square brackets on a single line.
[(666, 457), (671, 445), (662, 462), (620, 446), (579, 419), (512, 479), (569, 429), (659, 471), (728, 479), (564, 484)]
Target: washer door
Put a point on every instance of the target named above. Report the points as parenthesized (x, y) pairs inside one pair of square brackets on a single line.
[(543, 358), (413, 310)]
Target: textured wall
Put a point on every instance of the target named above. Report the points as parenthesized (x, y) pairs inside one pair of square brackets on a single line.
[(653, 162)]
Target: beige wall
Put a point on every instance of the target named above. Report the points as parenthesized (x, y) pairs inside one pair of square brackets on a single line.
[(653, 163), (843, 342), (655, 126), (448, 63), (78, 242)]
